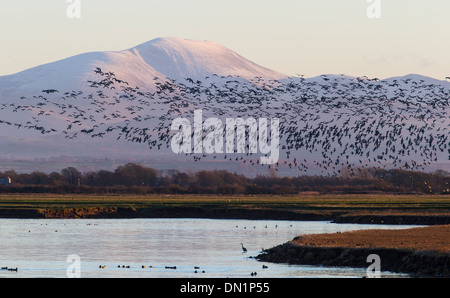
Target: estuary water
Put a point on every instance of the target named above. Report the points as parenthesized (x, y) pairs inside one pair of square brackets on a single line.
[(147, 248)]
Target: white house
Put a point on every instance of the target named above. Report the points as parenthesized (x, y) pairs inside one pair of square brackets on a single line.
[(5, 181)]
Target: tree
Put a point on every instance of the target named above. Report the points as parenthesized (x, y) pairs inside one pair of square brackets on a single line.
[(39, 178), (135, 175), (71, 175), (209, 179)]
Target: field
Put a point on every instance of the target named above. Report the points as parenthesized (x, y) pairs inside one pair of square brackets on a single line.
[(343, 208)]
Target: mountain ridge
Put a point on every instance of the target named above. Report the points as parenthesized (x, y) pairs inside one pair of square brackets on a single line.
[(117, 104), (165, 57)]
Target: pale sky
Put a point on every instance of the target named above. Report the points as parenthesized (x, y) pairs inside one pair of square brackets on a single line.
[(308, 37)]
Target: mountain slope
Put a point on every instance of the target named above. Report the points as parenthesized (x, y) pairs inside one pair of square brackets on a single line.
[(162, 58), (74, 73), (122, 104), (183, 58)]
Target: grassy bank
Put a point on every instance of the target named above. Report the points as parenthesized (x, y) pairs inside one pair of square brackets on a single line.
[(366, 208), (419, 251)]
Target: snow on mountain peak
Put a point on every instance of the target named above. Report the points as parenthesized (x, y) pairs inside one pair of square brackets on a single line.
[(185, 58), (172, 58)]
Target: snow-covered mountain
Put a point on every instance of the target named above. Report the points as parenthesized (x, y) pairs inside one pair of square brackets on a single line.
[(120, 105), (163, 58), (179, 59)]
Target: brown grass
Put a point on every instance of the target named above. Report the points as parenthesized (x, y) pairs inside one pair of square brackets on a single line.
[(435, 238)]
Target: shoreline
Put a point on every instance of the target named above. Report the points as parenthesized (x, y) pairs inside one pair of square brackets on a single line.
[(408, 260), (222, 213), (418, 252)]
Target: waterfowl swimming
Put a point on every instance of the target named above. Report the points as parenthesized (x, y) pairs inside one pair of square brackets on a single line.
[(171, 267)]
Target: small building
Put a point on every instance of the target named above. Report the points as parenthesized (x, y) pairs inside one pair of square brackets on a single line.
[(5, 181)]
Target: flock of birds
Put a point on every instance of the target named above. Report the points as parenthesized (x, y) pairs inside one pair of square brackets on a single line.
[(151, 266), (329, 122), (196, 268)]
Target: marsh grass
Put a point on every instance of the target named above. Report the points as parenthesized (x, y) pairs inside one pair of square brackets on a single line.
[(334, 203)]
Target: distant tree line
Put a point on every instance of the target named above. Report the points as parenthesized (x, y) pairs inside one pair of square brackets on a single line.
[(136, 179)]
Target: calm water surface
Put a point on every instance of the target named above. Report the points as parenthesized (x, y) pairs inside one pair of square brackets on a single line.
[(40, 247)]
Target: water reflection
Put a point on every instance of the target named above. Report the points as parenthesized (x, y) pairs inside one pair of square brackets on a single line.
[(39, 248)]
